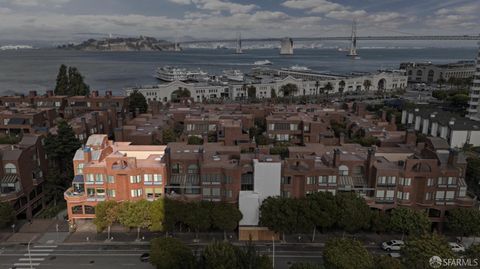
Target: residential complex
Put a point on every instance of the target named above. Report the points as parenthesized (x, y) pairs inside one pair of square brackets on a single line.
[(473, 109), (233, 168), (22, 174), (107, 170)]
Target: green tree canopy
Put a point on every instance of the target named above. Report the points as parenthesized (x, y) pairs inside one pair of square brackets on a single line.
[(321, 209), (76, 84), (171, 253), (220, 255), (289, 89), (225, 217), (157, 215), (62, 85), (197, 218), (137, 101), (168, 135), (305, 266), (386, 262), (418, 251), (279, 214), (344, 253), (409, 221), (464, 221), (352, 207), (380, 221), (106, 214), (194, 140), (7, 214), (252, 92)]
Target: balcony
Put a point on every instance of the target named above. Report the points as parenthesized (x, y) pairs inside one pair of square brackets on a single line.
[(74, 196), (8, 196)]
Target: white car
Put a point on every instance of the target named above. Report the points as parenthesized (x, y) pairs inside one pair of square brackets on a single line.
[(393, 245), (456, 247)]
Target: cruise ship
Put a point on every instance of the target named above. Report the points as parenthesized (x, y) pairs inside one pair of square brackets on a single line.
[(170, 73), (235, 75)]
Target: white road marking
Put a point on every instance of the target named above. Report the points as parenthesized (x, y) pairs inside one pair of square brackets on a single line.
[(36, 254), (41, 250), (32, 259), (26, 264), (45, 246)]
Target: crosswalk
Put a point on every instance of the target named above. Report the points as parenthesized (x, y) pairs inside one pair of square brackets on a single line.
[(35, 257)]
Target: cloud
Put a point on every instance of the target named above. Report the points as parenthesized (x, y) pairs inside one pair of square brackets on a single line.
[(34, 3), (218, 5), (181, 2), (4, 10)]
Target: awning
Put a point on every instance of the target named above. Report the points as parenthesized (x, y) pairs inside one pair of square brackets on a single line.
[(78, 179), (10, 178)]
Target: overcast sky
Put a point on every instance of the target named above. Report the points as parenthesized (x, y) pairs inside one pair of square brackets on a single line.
[(64, 20)]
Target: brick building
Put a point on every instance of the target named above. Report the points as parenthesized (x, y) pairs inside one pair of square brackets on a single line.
[(23, 168)]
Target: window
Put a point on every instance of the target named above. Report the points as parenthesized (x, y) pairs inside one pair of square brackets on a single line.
[(332, 179), (10, 168), (403, 195), (157, 179), (451, 181), (380, 194), (227, 179), (136, 192), (286, 180), (90, 192), (449, 195), (176, 168), (285, 194), (111, 193), (343, 170), (430, 182), (147, 178), (99, 178), (135, 179), (80, 168), (192, 169), (442, 181), (428, 196), (404, 181), (101, 192), (110, 179), (90, 178), (440, 195), (322, 180), (310, 180), (462, 192), (247, 182)]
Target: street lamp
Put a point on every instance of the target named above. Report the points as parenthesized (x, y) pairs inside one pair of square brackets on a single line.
[(273, 251), (29, 255)]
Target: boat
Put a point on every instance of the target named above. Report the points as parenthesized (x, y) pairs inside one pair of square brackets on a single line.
[(263, 62), (234, 75), (170, 73), (299, 68)]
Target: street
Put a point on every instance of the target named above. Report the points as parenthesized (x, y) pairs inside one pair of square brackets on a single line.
[(105, 256)]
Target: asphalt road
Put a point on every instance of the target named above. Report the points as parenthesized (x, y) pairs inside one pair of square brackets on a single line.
[(103, 256)]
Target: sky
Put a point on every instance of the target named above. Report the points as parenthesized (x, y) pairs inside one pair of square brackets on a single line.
[(70, 20)]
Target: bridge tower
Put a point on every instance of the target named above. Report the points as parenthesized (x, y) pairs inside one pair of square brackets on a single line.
[(286, 46), (239, 44), (353, 44)]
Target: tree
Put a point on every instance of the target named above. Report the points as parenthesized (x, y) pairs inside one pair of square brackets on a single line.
[(248, 258), (351, 207), (409, 221), (273, 93), (278, 214), (328, 88), (61, 87), (157, 215), (137, 101), (317, 86), (76, 84), (322, 210), (168, 135), (341, 88), (379, 221), (194, 140), (345, 253), (225, 217), (280, 149), (305, 266), (135, 215), (180, 93), (197, 218), (386, 262), (220, 255), (252, 92), (464, 221), (7, 214), (473, 252), (367, 84), (171, 253), (106, 214), (418, 251)]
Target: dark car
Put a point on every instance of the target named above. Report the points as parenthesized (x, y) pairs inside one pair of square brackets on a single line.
[(145, 257)]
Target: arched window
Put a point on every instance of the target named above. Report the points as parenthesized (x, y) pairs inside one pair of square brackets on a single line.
[(192, 169), (419, 72), (78, 209), (421, 167), (343, 170), (121, 164), (410, 72), (10, 168)]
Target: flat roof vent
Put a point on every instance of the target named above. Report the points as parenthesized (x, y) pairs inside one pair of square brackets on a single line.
[(216, 158)]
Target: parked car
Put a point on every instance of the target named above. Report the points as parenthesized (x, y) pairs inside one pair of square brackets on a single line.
[(456, 247), (145, 257), (393, 245)]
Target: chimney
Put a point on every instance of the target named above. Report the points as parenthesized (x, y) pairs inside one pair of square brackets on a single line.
[(108, 94), (410, 137), (49, 93), (384, 115), (336, 157), (371, 156), (32, 93), (341, 139), (453, 157), (87, 154), (94, 94)]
